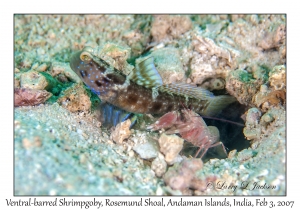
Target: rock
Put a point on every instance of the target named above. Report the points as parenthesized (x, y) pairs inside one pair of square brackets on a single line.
[(121, 132), (147, 150), (65, 69), (168, 63), (42, 67), (253, 116), (242, 86), (253, 133), (210, 61), (159, 165), (252, 129), (214, 84), (30, 97), (169, 26), (37, 80), (277, 78), (75, 98), (182, 176), (170, 146)]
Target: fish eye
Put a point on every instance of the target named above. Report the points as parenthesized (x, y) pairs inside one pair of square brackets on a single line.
[(85, 56)]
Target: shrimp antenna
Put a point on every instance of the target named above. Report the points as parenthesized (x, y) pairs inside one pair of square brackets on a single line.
[(223, 120)]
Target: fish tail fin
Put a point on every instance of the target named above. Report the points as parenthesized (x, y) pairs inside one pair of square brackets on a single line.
[(217, 104)]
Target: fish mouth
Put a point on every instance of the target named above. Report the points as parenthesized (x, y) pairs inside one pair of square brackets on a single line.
[(75, 61)]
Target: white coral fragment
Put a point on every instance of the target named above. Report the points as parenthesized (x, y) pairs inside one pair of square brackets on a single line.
[(121, 132), (278, 78), (159, 165), (170, 146), (207, 45), (147, 150), (210, 60)]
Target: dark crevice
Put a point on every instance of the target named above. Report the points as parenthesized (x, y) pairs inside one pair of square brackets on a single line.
[(231, 134)]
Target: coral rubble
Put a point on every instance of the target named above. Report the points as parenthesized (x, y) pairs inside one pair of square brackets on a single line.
[(30, 97), (182, 176), (121, 132), (75, 98), (169, 26), (170, 146)]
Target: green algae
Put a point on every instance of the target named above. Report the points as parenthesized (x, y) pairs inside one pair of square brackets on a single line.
[(245, 76)]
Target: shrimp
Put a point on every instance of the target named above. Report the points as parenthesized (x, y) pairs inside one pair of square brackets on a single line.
[(191, 127)]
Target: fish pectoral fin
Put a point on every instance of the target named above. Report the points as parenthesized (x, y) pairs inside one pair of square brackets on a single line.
[(146, 74), (217, 104)]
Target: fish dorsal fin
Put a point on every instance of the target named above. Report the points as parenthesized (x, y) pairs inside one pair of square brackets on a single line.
[(186, 90), (146, 74)]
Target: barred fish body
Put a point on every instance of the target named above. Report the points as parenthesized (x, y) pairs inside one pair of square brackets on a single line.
[(142, 91)]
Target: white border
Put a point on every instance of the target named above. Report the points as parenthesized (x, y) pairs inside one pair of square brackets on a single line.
[(153, 6)]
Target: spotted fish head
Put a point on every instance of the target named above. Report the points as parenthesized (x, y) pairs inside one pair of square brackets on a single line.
[(92, 73)]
